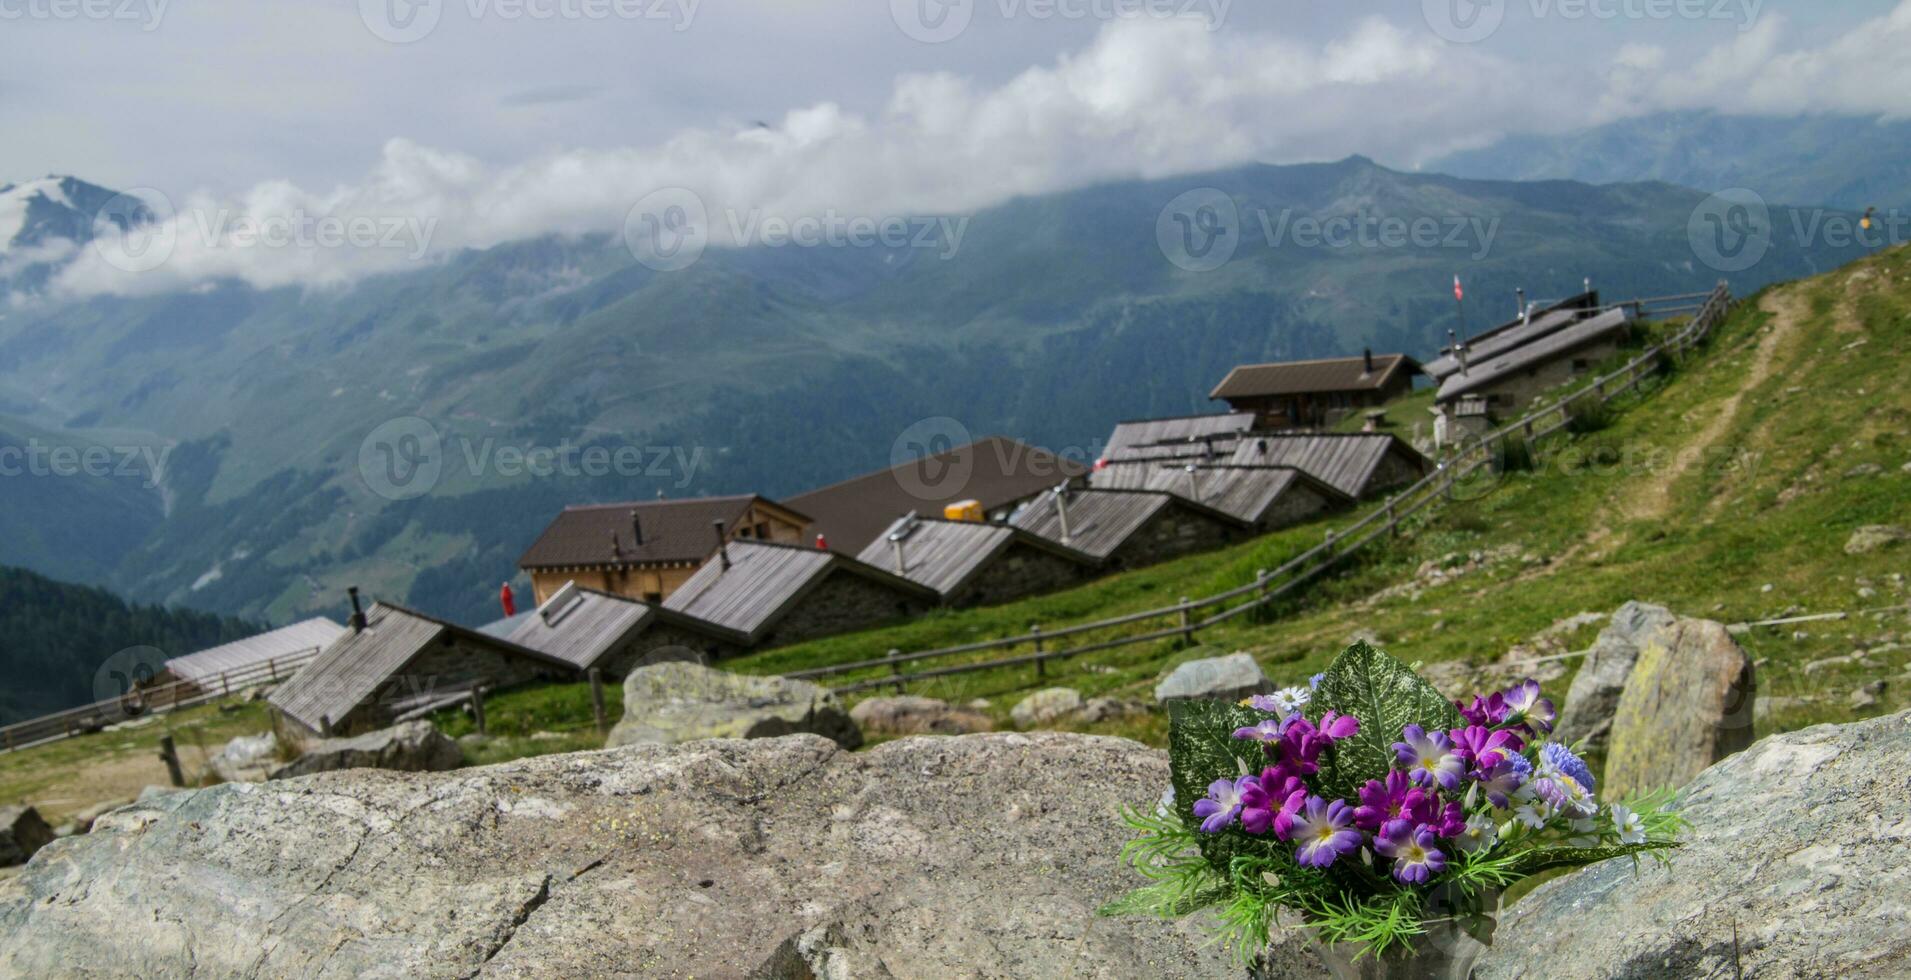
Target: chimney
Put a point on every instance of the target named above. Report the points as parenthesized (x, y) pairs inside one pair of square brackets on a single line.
[(358, 615), (1061, 508), (1521, 309), (1370, 360), (1587, 282), (1194, 484), (636, 530), (723, 543), (616, 548)]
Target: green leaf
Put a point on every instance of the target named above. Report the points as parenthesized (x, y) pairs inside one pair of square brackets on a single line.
[(1538, 859), (1386, 695), (1201, 749)]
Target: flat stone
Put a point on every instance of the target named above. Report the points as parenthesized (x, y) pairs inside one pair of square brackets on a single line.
[(247, 758), (667, 703), (1228, 678), (1046, 707), (1871, 537), (414, 746), (917, 716)]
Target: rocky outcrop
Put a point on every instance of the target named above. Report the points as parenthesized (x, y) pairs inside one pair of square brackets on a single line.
[(247, 759), (975, 856), (1871, 537), (917, 716), (1046, 707), (22, 833), (1236, 675), (1594, 696), (414, 746), (1797, 865), (1687, 704), (669, 703)]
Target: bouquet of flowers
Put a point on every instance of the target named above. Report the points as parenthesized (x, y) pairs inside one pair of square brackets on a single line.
[(1372, 807)]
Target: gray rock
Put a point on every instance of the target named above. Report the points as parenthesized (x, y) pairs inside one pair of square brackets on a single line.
[(1797, 865), (414, 746), (1594, 695), (1236, 675), (1046, 707), (1688, 704), (973, 856), (247, 759), (1111, 709), (1863, 470), (1871, 537), (22, 834), (917, 716), (675, 702), (84, 819), (1868, 695)]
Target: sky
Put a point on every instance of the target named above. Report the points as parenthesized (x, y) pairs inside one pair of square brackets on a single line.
[(472, 122)]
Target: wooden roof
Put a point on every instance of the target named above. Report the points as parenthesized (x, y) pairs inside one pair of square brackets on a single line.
[(1244, 492), (998, 472), (1308, 377), (358, 663), (255, 651), (1130, 437), (1479, 350), (1558, 344), (675, 532), (765, 580), (1345, 461), (581, 626), (945, 555)]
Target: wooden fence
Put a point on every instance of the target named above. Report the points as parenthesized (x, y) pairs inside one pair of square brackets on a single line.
[(149, 700), (1188, 617)]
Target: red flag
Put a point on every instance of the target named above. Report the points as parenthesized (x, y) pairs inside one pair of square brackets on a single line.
[(508, 601), (1459, 295)]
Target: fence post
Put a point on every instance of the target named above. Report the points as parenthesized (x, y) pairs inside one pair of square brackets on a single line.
[(477, 708), (272, 666), (895, 668), (597, 698), (1187, 623), (9, 734), (1261, 577), (225, 685), (169, 754), (1041, 663)]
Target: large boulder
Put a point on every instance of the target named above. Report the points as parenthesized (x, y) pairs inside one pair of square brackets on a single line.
[(1594, 696), (1797, 865), (972, 856), (1688, 704), (22, 833), (414, 746), (247, 759), (917, 716), (1228, 678), (682, 702)]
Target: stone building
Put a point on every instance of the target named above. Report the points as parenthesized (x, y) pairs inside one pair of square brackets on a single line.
[(969, 563), (775, 594)]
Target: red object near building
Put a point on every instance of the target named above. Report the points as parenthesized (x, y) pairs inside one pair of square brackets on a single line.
[(510, 602), (822, 543)]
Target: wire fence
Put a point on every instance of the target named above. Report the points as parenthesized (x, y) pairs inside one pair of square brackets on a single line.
[(1188, 617)]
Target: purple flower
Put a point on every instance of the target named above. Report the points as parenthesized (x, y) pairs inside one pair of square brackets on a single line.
[(1269, 730), (1484, 749), (1528, 708), (1396, 799), (1428, 759), (1415, 859), (1303, 742), (1562, 758), (1562, 781), (1223, 803), (1452, 821), (1485, 712), (1272, 802), (1324, 832), (1504, 779), (1313, 683)]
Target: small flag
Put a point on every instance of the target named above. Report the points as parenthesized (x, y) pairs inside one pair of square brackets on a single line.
[(1459, 295)]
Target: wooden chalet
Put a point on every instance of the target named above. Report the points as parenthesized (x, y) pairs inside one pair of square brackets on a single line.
[(969, 563), (592, 630), (393, 661), (998, 473), (1138, 437), (1128, 528), (1315, 394), (1515, 378), (1266, 497), (646, 550), (770, 594)]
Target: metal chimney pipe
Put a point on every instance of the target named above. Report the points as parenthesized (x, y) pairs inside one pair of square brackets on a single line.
[(616, 548), (358, 615), (723, 543), (1370, 360), (1521, 293), (636, 530), (1061, 508), (1194, 484), (901, 565)]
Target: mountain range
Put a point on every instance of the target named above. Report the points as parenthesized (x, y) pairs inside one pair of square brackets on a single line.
[(252, 429)]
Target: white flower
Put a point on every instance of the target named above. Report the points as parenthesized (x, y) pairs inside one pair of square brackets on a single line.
[(1632, 829), (1291, 699), (1480, 833), (1533, 815), (1587, 831)]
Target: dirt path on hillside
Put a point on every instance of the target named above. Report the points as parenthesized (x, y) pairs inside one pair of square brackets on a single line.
[(1653, 499)]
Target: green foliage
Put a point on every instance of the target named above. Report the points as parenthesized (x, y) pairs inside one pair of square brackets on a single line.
[(1516, 454), (1201, 749), (1588, 415), (1386, 695)]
